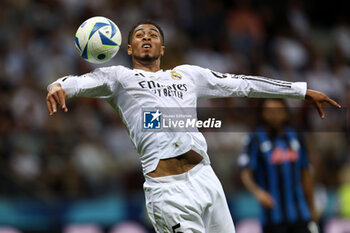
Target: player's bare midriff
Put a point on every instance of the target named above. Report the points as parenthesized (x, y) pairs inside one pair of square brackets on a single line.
[(177, 165)]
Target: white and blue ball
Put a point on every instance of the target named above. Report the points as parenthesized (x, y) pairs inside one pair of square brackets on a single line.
[(98, 39)]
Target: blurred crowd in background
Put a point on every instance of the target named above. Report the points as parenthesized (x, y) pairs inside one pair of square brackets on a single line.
[(86, 154)]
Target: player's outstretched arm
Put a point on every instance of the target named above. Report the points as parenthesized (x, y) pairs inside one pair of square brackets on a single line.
[(56, 97), (318, 98)]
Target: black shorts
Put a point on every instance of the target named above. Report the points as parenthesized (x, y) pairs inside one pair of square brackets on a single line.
[(297, 227)]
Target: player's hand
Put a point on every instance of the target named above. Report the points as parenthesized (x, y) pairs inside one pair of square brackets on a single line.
[(56, 97), (318, 98), (314, 214), (265, 198)]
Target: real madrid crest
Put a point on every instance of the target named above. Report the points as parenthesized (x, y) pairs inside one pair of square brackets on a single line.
[(175, 75)]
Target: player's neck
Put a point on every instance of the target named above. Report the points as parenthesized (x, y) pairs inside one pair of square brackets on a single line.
[(152, 66), (275, 131)]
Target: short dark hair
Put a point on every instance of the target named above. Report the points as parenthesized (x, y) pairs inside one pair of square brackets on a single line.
[(145, 21), (261, 107)]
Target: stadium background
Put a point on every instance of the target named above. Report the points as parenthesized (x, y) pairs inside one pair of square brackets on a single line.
[(81, 168)]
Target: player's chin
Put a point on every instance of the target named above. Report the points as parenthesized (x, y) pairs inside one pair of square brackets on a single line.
[(147, 58)]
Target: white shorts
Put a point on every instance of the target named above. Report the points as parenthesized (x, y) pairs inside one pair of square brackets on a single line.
[(192, 202)]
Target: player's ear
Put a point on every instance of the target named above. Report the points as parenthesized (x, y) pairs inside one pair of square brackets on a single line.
[(162, 51), (129, 50)]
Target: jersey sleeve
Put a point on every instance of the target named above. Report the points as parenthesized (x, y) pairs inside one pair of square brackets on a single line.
[(214, 84), (100, 83), (303, 153), (249, 156)]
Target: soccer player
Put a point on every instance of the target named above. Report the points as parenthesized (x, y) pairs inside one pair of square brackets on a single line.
[(276, 170), (182, 191)]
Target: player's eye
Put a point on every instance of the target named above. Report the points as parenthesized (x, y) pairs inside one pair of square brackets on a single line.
[(154, 35), (138, 35)]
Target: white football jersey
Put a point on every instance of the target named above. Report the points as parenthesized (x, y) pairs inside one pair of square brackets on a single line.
[(129, 91)]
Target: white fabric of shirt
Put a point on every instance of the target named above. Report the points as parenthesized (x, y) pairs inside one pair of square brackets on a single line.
[(129, 91)]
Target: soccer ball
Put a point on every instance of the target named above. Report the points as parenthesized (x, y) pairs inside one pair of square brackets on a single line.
[(98, 39)]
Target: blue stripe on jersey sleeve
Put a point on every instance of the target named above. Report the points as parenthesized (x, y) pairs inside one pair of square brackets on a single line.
[(252, 152), (302, 150), (303, 156)]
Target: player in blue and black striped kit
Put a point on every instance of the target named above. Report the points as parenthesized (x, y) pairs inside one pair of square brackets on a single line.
[(276, 170)]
